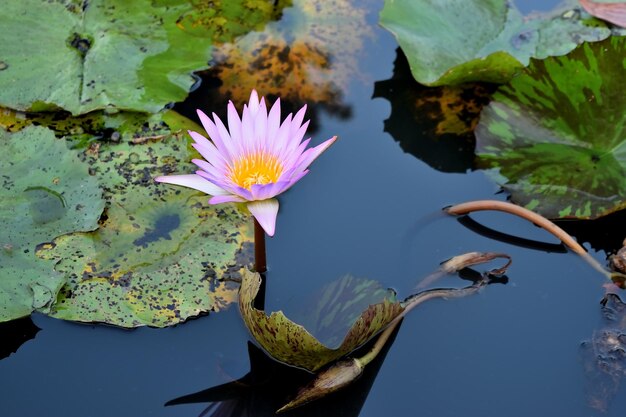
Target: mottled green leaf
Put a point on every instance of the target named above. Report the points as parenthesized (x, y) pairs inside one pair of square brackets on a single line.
[(45, 191), (161, 254), (293, 344), (100, 125), (133, 55), (457, 41), (556, 136)]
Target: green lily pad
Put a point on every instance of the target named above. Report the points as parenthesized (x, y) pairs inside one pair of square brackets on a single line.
[(457, 41), (161, 255), (133, 55), (81, 131), (362, 304), (45, 191), (556, 136)]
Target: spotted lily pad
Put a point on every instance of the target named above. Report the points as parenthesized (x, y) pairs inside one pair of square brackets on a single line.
[(45, 191), (134, 55), (457, 41), (555, 137), (340, 303), (161, 254)]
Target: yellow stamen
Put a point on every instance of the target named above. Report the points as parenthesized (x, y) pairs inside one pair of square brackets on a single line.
[(255, 168)]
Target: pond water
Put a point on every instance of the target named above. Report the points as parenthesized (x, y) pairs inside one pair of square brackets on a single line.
[(368, 209)]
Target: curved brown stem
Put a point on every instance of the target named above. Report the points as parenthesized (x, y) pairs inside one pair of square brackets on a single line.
[(539, 220)]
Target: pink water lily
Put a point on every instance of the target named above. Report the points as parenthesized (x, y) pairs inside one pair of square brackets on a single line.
[(252, 161)]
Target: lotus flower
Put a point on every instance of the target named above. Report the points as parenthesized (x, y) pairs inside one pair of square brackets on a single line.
[(252, 161)]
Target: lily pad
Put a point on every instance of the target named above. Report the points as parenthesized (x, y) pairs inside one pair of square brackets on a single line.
[(81, 131), (457, 41), (45, 191), (133, 55), (556, 136), (161, 255), (293, 344)]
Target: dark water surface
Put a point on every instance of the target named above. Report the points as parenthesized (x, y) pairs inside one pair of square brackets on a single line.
[(371, 210)]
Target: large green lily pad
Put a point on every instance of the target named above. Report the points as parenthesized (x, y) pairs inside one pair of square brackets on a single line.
[(45, 191), (134, 55), (457, 41), (362, 305), (556, 136), (161, 254)]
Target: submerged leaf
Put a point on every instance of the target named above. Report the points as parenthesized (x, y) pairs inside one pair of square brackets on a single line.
[(45, 191), (457, 41), (161, 255), (556, 136), (133, 55), (292, 344)]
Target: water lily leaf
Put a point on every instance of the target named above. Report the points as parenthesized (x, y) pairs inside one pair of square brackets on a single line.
[(435, 124), (611, 11), (457, 41), (82, 130), (293, 344), (555, 136), (45, 191), (161, 254), (133, 55), (310, 56)]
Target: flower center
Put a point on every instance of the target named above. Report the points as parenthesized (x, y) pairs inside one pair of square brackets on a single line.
[(255, 168)]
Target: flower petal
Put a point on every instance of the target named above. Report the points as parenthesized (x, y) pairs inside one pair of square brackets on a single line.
[(260, 127), (265, 191), (311, 154), (273, 122), (193, 181), (222, 143), (218, 199), (234, 123), (265, 212), (253, 103)]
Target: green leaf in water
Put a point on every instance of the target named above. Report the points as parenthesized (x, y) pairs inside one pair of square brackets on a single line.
[(133, 55), (457, 41), (161, 255), (45, 191), (358, 306), (556, 136)]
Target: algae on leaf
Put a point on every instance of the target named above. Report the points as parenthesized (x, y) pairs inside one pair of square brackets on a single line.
[(161, 253), (556, 136), (457, 41), (45, 192), (133, 55)]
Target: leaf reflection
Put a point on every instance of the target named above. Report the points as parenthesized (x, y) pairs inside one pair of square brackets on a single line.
[(270, 384)]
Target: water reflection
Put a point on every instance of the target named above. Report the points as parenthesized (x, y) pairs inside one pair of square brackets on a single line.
[(14, 334), (269, 385), (309, 56), (435, 124), (604, 356)]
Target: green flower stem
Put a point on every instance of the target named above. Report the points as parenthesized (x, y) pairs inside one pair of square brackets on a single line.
[(411, 303), (539, 220)]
